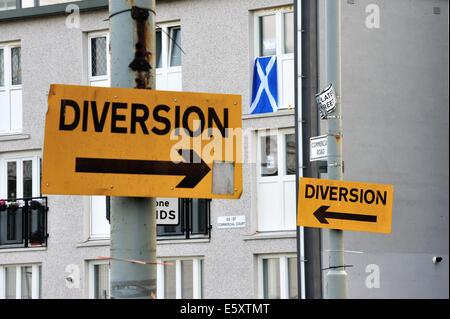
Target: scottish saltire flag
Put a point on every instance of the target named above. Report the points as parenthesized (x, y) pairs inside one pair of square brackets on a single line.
[(265, 86)]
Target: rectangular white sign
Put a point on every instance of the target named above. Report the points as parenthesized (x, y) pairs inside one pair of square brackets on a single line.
[(167, 212), (318, 148), (231, 221)]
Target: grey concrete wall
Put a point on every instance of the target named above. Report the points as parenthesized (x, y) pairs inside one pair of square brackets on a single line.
[(396, 120)]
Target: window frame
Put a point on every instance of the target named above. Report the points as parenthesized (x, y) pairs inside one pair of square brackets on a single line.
[(35, 280), (280, 46), (93, 81), (36, 173), (284, 273), (96, 78), (279, 31), (198, 264), (8, 86), (166, 50), (281, 178), (91, 276), (93, 236)]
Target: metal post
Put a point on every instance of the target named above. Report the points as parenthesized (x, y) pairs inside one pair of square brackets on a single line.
[(336, 276), (298, 70), (133, 221), (309, 258), (309, 115)]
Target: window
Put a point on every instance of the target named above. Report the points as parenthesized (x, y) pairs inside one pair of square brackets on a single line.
[(23, 214), (98, 70), (8, 5), (274, 35), (99, 225), (10, 88), (194, 221), (23, 223), (98, 59), (276, 180), (180, 278), (277, 277), (99, 273), (168, 57), (20, 176), (20, 281)]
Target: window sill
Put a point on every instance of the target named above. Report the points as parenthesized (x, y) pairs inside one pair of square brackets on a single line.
[(284, 112), (271, 235), (94, 243), (13, 137), (182, 241), (22, 250)]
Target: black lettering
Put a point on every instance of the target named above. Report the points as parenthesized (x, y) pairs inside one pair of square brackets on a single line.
[(213, 117), (99, 124), (162, 214), (333, 193), (201, 117), (139, 119), (366, 199), (311, 188), (354, 195), (118, 118), (161, 119), (343, 193), (381, 197), (62, 116), (324, 193), (172, 215), (85, 115), (177, 120)]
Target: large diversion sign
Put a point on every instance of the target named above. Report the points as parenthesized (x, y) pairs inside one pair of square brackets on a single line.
[(142, 143)]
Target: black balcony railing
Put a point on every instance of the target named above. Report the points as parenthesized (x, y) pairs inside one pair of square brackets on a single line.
[(23, 222), (194, 221)]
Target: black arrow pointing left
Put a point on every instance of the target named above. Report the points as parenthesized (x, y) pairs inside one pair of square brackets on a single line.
[(193, 168), (322, 214)]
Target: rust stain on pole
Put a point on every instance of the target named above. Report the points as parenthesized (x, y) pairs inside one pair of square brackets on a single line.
[(142, 57)]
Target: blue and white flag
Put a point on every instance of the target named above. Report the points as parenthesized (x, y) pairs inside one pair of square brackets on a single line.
[(265, 86)]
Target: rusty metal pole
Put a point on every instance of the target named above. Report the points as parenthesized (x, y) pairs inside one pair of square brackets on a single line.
[(133, 221)]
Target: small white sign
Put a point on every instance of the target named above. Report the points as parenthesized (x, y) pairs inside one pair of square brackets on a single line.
[(326, 101), (231, 221), (318, 148), (167, 211)]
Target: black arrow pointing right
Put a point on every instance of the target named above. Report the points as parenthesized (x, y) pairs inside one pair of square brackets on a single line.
[(193, 168), (322, 215)]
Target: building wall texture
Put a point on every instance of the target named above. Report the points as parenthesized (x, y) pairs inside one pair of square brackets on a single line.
[(395, 108)]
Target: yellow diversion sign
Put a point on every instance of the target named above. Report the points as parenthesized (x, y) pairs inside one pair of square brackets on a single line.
[(142, 143), (345, 205)]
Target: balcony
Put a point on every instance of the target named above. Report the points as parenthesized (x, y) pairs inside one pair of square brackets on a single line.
[(23, 222)]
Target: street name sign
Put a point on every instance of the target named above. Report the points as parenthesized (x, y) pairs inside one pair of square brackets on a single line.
[(345, 205), (142, 143), (318, 148), (231, 221), (326, 101)]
